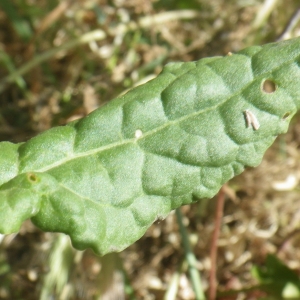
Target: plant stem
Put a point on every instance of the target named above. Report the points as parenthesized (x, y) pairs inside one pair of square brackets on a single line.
[(212, 290), (264, 13), (191, 259), (287, 32)]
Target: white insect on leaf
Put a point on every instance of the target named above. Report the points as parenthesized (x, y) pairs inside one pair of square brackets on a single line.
[(251, 119), (138, 133)]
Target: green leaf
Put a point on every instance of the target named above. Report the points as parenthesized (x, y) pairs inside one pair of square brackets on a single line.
[(277, 279), (106, 178)]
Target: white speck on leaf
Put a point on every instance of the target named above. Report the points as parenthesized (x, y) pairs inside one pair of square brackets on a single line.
[(138, 133), (251, 119)]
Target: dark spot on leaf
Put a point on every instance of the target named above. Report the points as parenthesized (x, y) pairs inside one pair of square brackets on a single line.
[(269, 86), (285, 116), (32, 177)]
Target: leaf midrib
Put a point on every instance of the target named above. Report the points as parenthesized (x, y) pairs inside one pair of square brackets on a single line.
[(153, 131)]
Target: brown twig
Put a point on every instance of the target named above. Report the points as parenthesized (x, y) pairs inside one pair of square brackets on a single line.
[(212, 290)]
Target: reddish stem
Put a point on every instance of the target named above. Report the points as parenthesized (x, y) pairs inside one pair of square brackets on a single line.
[(212, 290)]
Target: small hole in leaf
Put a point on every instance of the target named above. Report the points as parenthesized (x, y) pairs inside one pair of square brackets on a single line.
[(285, 116), (269, 86), (32, 177)]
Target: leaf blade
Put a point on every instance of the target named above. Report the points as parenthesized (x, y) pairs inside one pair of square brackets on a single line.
[(106, 178)]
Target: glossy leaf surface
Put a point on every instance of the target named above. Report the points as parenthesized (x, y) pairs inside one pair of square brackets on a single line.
[(106, 178)]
